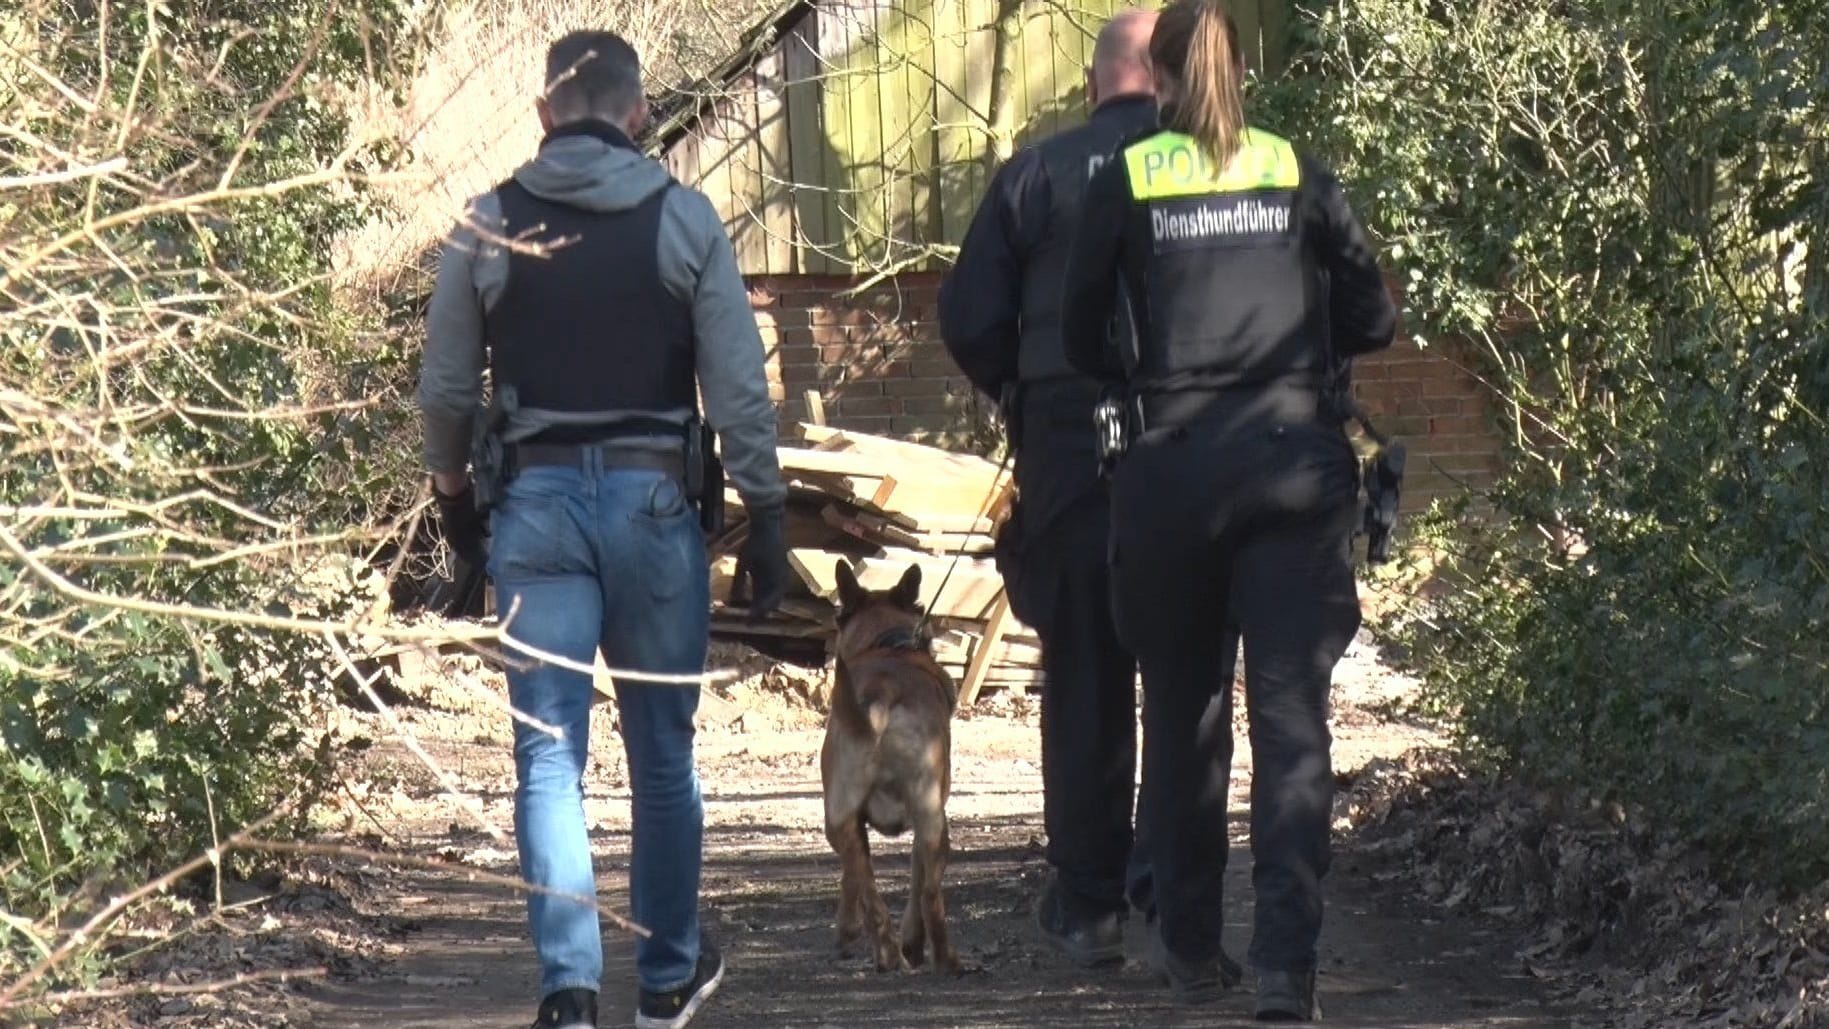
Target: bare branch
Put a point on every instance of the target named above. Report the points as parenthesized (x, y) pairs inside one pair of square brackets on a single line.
[(88, 932), (446, 634), (271, 975), (335, 850), (470, 805), (111, 166)]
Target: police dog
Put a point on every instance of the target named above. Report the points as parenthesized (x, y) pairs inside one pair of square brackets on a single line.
[(887, 765)]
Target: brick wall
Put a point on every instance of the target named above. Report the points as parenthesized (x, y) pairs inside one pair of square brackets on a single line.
[(876, 360), (874, 357), (1434, 402)]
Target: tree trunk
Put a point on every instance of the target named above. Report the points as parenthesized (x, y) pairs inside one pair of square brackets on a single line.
[(1000, 141), (1815, 286)]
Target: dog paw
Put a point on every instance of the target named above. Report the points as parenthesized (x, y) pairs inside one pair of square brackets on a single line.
[(890, 959)]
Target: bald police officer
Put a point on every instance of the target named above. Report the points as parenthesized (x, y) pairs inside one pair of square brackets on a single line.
[(1000, 317)]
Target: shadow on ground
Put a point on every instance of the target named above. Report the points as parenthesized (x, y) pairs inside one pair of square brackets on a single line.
[(770, 892)]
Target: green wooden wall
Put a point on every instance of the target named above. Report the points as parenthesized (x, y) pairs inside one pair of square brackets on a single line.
[(854, 143)]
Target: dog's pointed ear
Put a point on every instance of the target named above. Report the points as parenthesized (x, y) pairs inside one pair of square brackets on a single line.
[(850, 594), (908, 591)]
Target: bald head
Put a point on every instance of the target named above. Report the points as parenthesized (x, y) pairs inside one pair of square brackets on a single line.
[(1120, 56)]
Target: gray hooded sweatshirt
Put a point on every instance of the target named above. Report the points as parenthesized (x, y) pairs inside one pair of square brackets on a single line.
[(697, 265)]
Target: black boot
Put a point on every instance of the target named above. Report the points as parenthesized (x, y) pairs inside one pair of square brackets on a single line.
[(1087, 938), (568, 1009), (1192, 982), (1287, 997)]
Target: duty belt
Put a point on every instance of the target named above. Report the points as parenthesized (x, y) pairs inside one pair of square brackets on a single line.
[(1284, 401), (615, 454)]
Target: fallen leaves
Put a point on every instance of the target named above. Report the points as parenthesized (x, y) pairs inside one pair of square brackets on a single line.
[(1622, 920)]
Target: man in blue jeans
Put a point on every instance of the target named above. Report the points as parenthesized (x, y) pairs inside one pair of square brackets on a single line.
[(617, 304)]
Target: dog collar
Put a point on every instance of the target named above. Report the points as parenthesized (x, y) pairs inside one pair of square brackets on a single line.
[(899, 639)]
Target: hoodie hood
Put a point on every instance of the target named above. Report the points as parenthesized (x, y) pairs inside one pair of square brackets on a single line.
[(594, 171)]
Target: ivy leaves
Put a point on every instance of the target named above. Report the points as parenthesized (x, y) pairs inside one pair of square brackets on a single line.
[(1617, 212)]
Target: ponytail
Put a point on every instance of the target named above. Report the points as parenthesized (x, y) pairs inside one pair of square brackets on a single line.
[(1196, 44)]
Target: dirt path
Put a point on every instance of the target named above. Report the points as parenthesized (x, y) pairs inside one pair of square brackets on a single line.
[(456, 955)]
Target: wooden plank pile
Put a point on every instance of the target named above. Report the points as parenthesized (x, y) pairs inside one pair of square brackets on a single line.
[(885, 505)]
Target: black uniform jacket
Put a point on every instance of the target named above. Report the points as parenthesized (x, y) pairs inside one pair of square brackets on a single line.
[(1000, 307), (1250, 275)]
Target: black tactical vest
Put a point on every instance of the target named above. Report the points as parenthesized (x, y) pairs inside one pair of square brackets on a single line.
[(587, 325), (1069, 158), (1223, 264)]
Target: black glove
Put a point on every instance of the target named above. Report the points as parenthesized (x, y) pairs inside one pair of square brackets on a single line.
[(764, 559), (1384, 476), (462, 524)]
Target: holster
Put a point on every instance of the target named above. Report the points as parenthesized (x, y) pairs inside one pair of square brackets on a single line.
[(704, 474), (488, 462), (1383, 476), (1382, 473), (1009, 407)]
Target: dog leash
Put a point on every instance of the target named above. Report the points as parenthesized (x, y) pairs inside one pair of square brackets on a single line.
[(983, 509)]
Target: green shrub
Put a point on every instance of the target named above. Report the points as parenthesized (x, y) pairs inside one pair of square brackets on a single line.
[(188, 417), (1620, 210)]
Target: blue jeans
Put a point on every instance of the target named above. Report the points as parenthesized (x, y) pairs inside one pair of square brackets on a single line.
[(613, 559)]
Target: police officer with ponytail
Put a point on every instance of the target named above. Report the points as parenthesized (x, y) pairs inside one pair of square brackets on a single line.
[(1250, 282)]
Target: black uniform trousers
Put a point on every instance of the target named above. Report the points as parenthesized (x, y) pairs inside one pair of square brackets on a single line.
[(1053, 559), (1247, 520)]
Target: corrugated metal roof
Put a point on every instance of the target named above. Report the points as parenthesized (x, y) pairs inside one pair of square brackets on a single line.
[(674, 114)]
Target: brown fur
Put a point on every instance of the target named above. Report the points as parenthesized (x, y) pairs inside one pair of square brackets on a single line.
[(887, 765)]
